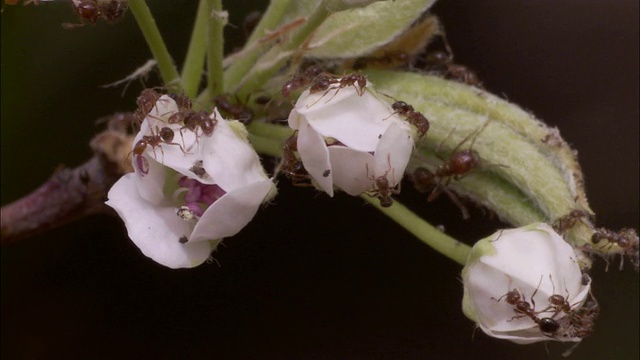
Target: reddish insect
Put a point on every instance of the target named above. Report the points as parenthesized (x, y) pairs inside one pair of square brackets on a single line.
[(414, 117), (382, 189)]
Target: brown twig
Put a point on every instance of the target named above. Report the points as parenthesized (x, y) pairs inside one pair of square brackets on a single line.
[(71, 194)]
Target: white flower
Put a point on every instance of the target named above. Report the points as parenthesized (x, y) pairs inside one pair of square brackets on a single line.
[(188, 193), (512, 265), (350, 137)]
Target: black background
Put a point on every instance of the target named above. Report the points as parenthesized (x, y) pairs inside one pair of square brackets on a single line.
[(310, 277)]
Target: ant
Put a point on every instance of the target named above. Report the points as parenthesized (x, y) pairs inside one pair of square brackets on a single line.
[(566, 222), (424, 180), (182, 101), (238, 112), (460, 163), (193, 120), (90, 10), (291, 166), (382, 189), (414, 117), (301, 80), (547, 325), (146, 101), (442, 61), (326, 81), (626, 239), (163, 136)]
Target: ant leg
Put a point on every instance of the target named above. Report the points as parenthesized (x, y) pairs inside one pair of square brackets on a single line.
[(533, 302)]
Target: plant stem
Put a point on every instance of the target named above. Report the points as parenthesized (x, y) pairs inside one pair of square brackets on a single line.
[(439, 241), (217, 21), (274, 58), (271, 18), (194, 61), (147, 24)]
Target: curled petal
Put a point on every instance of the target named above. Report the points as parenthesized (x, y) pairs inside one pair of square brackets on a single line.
[(349, 169), (315, 157), (233, 211), (229, 159), (393, 152)]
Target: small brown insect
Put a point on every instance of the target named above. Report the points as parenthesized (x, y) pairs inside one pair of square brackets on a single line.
[(91, 10), (382, 188), (547, 325), (300, 80), (234, 111), (292, 167), (442, 62), (626, 239), (564, 223), (460, 162), (414, 117), (424, 180), (145, 102)]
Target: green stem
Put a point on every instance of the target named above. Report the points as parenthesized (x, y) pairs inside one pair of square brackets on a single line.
[(217, 20), (194, 61), (147, 24), (270, 20), (439, 241), (275, 59), (268, 139)]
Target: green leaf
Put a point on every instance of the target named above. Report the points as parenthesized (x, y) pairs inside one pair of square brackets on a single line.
[(359, 32)]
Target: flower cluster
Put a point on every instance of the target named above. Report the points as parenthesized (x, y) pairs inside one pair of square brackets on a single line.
[(189, 189)]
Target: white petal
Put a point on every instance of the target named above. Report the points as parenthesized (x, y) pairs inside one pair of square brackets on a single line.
[(230, 160), (294, 119), (232, 212), (315, 157), (151, 185), (393, 152), (349, 169), (156, 230), (356, 121)]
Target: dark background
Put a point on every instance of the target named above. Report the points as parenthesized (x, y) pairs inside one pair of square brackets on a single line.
[(310, 277)]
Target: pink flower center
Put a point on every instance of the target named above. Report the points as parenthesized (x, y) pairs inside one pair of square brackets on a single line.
[(199, 196)]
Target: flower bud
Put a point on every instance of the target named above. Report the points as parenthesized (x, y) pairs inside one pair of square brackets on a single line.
[(349, 137), (509, 281)]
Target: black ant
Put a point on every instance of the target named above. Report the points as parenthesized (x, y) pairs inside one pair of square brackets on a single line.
[(414, 117), (291, 166), (382, 189), (424, 180), (234, 111)]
